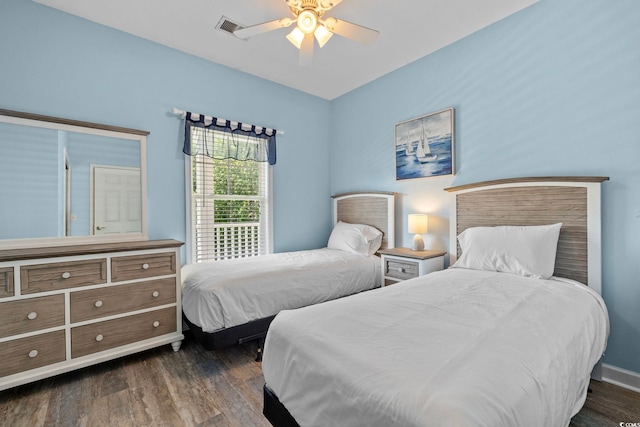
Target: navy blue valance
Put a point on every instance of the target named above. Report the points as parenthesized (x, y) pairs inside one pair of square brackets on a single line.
[(224, 139)]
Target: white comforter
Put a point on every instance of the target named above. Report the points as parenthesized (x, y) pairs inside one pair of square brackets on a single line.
[(453, 348), (228, 293)]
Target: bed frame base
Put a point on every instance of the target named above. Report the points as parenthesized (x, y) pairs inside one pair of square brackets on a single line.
[(275, 411), (255, 330)]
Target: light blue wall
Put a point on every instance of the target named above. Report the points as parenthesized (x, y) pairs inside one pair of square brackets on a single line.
[(56, 64), (552, 90)]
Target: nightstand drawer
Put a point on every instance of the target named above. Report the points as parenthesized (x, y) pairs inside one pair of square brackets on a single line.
[(62, 275), (102, 336), (32, 352), (400, 269), (400, 264), (33, 314), (141, 266), (6, 282), (96, 303)]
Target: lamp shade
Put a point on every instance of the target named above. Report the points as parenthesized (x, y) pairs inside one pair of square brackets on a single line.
[(322, 35), (418, 223), (295, 37)]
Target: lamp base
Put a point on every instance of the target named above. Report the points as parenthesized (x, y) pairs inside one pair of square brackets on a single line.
[(418, 243)]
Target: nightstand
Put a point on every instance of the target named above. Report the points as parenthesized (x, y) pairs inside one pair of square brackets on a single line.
[(400, 264)]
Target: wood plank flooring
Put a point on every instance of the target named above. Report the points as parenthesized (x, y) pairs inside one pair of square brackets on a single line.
[(194, 387)]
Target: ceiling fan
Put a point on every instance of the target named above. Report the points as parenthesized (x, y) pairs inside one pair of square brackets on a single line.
[(310, 23)]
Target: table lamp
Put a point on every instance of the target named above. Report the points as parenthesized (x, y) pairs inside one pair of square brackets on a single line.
[(418, 225)]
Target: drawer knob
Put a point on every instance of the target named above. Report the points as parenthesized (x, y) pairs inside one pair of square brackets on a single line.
[(400, 269), (155, 294), (66, 275), (145, 266), (156, 324), (33, 353), (99, 337), (32, 315), (98, 304)]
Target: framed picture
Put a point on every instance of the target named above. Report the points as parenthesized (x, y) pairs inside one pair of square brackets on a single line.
[(424, 146)]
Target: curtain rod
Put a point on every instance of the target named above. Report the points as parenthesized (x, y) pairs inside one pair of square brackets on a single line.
[(183, 114)]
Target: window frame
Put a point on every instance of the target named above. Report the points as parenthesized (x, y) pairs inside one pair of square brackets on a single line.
[(190, 256)]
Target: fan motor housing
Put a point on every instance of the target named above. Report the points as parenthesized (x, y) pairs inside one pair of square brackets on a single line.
[(299, 6)]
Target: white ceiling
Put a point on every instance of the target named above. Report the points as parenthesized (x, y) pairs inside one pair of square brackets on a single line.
[(409, 30)]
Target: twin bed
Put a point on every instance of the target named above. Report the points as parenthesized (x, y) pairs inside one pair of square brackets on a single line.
[(507, 336), (234, 301)]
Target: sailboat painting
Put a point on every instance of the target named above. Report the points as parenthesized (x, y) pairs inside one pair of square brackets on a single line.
[(424, 146)]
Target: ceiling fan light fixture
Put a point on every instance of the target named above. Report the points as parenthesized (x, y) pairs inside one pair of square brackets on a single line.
[(295, 37), (307, 21), (311, 25), (322, 35)]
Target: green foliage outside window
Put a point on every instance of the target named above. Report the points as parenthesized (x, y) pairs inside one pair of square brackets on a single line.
[(236, 178)]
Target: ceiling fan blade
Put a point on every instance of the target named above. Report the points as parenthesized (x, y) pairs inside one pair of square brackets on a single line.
[(254, 30), (306, 51), (351, 31)]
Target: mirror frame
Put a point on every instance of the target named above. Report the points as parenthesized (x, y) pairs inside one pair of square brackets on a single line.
[(56, 123)]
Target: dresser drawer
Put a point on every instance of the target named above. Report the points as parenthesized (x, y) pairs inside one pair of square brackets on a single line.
[(102, 336), (62, 275), (6, 282), (400, 269), (33, 314), (95, 303), (32, 352), (141, 266)]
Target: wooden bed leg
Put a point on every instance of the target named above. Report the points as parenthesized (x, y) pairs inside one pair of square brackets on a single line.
[(259, 344)]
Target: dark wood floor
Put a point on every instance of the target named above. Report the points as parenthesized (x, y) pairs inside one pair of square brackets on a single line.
[(198, 388)]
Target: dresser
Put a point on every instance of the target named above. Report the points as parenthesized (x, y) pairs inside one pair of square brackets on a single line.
[(68, 307), (400, 264)]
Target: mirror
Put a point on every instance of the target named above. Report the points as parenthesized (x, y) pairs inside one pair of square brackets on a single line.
[(69, 182)]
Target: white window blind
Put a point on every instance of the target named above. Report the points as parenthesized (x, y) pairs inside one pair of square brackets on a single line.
[(230, 205)]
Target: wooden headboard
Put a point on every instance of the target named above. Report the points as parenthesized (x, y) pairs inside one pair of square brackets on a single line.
[(371, 208), (573, 201)]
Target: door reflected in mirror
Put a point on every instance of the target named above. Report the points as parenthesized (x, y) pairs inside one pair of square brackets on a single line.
[(116, 200)]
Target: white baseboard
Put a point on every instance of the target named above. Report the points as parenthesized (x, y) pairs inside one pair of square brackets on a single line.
[(621, 377)]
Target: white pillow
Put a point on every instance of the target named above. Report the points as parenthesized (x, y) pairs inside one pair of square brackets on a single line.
[(357, 238), (525, 250)]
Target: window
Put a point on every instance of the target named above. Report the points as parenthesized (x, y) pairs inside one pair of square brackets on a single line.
[(229, 202)]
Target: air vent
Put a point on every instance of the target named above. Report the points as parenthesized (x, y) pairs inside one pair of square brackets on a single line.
[(227, 25)]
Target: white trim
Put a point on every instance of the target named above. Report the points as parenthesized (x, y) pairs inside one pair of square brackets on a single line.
[(453, 242), (621, 377), (188, 189), (270, 200), (594, 237), (143, 186)]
